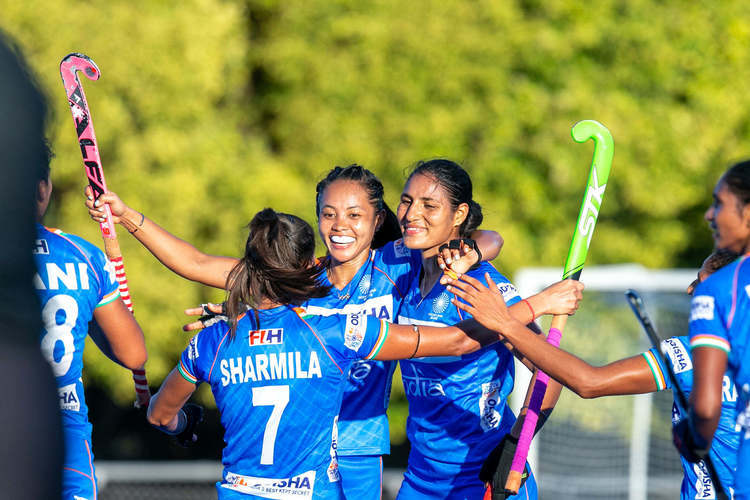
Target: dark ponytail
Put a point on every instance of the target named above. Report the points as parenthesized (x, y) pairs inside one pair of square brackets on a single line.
[(456, 182), (389, 230), (737, 179), (277, 265), (718, 259)]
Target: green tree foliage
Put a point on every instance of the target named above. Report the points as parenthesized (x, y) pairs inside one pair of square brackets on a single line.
[(208, 110)]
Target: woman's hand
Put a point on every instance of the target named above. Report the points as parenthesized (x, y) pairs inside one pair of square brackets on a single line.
[(457, 257), (209, 314), (96, 207), (562, 297), (485, 304)]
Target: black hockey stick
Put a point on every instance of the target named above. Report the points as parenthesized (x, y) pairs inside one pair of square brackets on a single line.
[(636, 303)]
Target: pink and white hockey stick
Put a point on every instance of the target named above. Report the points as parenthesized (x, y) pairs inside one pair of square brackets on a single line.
[(69, 68)]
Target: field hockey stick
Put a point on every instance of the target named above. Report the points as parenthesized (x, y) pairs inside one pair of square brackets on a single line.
[(599, 173), (69, 68), (636, 304)]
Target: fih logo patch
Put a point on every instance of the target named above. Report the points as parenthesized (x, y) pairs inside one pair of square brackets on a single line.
[(272, 336)]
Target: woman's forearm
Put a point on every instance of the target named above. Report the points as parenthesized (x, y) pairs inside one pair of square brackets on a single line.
[(626, 376), (176, 254)]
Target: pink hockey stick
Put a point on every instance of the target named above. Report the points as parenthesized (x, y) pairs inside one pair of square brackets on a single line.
[(69, 68)]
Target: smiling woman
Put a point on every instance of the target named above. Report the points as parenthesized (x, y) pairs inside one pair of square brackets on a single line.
[(457, 405)]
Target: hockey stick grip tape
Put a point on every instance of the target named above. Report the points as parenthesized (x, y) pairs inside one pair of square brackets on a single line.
[(532, 415)]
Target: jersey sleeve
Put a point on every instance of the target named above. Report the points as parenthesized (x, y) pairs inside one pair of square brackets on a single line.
[(707, 324), (103, 273), (677, 351), (509, 291), (195, 357), (364, 335)]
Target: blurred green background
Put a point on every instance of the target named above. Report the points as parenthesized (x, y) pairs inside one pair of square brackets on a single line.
[(209, 110)]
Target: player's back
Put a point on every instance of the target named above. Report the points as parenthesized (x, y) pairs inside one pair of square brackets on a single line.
[(73, 278), (278, 385)]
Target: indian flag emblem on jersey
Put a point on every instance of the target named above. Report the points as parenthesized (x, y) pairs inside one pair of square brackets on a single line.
[(441, 303)]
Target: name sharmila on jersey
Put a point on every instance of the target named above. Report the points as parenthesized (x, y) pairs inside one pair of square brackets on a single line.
[(73, 278), (457, 405), (278, 385), (720, 318), (696, 482)]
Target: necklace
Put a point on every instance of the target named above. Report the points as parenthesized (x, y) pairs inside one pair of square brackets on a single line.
[(345, 294), (342, 294)]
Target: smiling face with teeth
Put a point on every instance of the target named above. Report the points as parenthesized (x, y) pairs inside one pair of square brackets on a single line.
[(427, 216), (347, 222)]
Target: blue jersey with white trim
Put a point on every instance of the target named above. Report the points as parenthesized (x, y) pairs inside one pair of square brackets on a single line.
[(278, 385), (378, 289), (720, 318), (457, 405), (696, 482), (73, 278)]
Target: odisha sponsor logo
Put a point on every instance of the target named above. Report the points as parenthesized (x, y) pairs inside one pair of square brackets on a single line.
[(490, 418), (193, 348), (381, 313), (507, 290), (355, 330), (680, 359), (703, 484), (440, 304), (702, 307), (40, 248), (419, 385), (294, 482), (68, 398)]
